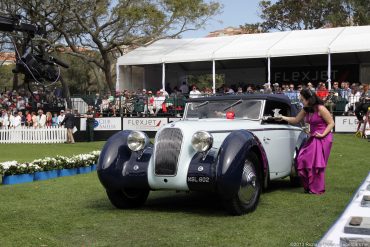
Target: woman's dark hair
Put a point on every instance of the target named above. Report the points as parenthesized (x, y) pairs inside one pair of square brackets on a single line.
[(312, 98)]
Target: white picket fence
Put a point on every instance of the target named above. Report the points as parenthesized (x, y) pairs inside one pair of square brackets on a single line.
[(33, 135)]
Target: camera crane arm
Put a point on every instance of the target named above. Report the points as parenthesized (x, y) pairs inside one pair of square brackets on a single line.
[(10, 24), (36, 67)]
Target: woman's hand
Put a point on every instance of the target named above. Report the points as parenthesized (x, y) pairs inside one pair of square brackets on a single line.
[(318, 135)]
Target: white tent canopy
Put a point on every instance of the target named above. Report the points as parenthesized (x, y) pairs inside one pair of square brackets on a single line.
[(250, 46), (207, 53), (278, 44), (352, 39)]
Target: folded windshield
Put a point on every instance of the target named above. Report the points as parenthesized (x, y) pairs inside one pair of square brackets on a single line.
[(243, 109)]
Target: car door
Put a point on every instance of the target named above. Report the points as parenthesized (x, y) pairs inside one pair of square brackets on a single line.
[(278, 140)]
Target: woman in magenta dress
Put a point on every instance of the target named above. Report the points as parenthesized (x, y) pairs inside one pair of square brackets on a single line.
[(313, 156)]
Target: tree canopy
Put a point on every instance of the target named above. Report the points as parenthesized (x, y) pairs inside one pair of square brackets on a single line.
[(311, 14), (98, 31)]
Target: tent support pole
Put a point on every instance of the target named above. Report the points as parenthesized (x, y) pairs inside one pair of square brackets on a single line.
[(269, 71), (163, 76), (329, 71), (131, 84), (144, 79), (118, 88), (214, 76)]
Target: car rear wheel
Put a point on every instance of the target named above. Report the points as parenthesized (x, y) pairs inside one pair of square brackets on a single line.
[(247, 198), (127, 198)]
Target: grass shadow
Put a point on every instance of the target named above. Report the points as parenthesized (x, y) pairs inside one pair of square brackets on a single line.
[(282, 185), (200, 203), (204, 204)]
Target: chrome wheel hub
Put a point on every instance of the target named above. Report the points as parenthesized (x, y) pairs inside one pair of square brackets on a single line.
[(248, 186)]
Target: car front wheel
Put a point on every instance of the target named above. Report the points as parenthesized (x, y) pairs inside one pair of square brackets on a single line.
[(127, 198), (247, 198)]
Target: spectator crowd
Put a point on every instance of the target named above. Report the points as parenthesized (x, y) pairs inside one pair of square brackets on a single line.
[(343, 98), (23, 108), (44, 109)]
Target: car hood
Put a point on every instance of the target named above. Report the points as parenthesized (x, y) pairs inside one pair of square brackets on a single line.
[(219, 128), (216, 124)]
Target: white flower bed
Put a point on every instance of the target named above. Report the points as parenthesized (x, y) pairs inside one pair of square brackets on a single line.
[(49, 163)]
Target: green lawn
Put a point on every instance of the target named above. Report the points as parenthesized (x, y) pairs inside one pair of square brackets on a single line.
[(74, 211), (30, 152)]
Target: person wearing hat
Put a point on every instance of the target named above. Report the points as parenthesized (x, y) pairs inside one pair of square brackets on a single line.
[(150, 102), (158, 101), (90, 121), (41, 118), (61, 117)]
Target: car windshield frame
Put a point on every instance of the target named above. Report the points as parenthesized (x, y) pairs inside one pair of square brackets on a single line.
[(211, 107)]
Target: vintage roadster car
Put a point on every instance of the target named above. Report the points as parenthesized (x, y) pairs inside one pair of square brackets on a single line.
[(230, 145)]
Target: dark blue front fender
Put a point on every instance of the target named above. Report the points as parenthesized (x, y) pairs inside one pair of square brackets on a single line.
[(233, 152), (118, 167)]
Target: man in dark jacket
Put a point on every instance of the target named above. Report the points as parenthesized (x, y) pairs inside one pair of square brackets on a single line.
[(69, 123), (90, 121), (97, 103)]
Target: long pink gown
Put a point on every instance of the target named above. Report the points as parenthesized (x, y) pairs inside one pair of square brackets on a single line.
[(313, 157)]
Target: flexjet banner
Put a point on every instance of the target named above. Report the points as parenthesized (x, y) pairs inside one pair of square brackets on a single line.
[(346, 124), (144, 124), (315, 74)]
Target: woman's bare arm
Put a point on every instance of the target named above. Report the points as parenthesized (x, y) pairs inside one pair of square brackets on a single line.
[(325, 114), (296, 119)]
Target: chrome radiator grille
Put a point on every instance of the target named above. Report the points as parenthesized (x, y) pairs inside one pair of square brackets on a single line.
[(167, 151)]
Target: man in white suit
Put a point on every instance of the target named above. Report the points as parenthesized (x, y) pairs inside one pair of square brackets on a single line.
[(17, 120), (61, 117), (41, 118)]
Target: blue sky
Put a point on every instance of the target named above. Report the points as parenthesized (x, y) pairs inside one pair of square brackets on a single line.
[(234, 13)]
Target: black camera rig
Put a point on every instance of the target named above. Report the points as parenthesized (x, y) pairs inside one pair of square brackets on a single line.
[(37, 66)]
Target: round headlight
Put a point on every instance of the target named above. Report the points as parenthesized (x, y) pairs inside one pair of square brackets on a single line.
[(137, 140), (202, 141)]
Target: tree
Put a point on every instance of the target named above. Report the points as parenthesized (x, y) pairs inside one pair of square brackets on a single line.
[(360, 10), (110, 26), (77, 76), (312, 14), (250, 28), (206, 80), (6, 78), (308, 14)]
